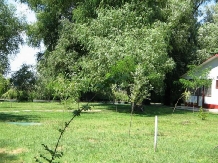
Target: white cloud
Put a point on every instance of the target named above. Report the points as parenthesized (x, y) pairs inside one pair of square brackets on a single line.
[(26, 56), (23, 9)]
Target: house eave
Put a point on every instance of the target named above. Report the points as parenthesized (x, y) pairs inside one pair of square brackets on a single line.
[(204, 63)]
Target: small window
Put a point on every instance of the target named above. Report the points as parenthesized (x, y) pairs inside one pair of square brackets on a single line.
[(198, 92), (216, 84), (207, 91)]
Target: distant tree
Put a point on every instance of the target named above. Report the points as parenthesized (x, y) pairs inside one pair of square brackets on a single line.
[(24, 81), (11, 28), (4, 84), (208, 35), (44, 88), (183, 42)]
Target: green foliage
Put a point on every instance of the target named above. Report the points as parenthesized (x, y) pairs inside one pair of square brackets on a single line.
[(49, 16), (11, 28), (4, 84), (202, 114), (186, 95), (66, 89), (207, 37), (104, 42), (121, 96), (24, 81), (10, 94), (109, 40), (196, 77), (182, 18), (44, 90)]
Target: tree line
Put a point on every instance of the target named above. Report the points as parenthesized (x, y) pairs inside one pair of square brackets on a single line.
[(128, 50)]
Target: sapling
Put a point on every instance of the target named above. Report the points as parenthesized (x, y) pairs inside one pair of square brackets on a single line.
[(54, 154), (138, 90), (66, 89), (185, 96), (196, 78)]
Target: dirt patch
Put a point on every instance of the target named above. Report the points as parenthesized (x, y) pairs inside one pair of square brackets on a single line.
[(92, 140), (96, 110), (17, 151), (12, 152), (2, 150)]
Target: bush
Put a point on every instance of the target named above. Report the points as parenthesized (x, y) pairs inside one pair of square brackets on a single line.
[(121, 96), (24, 96), (202, 114), (10, 94)]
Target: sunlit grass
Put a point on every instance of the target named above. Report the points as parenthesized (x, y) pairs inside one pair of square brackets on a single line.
[(103, 136)]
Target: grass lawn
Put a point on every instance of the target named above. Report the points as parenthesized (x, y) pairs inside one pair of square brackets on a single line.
[(103, 136)]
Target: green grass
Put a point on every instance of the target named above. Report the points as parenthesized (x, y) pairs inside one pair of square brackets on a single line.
[(103, 137)]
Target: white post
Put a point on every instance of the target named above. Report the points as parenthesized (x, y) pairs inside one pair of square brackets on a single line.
[(155, 134)]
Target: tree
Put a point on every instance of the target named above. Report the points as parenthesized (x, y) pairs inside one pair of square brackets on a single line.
[(207, 36), (183, 43), (88, 34), (44, 88), (11, 28), (24, 81), (108, 41), (48, 25), (4, 85)]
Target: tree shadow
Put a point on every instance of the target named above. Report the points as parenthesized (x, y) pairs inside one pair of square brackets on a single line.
[(5, 157), (146, 110), (121, 108), (9, 117)]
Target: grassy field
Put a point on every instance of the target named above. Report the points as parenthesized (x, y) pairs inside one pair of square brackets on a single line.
[(102, 136)]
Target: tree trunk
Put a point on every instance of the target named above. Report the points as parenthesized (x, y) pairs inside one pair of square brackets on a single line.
[(167, 95)]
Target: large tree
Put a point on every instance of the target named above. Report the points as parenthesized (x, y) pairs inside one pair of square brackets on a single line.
[(183, 43), (11, 28), (100, 39), (106, 54)]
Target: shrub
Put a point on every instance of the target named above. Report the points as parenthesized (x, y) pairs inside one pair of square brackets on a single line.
[(202, 114)]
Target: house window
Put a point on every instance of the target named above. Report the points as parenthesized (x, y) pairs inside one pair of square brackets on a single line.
[(207, 91), (216, 84), (197, 92)]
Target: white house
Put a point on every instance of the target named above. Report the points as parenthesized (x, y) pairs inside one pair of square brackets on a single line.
[(207, 97)]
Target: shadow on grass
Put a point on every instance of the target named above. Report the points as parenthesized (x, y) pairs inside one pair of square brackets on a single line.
[(4, 157), (9, 117), (148, 110)]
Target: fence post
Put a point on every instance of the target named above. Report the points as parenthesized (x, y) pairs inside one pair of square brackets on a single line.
[(155, 134)]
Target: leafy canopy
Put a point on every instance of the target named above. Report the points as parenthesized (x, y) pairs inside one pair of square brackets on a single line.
[(11, 28), (121, 49)]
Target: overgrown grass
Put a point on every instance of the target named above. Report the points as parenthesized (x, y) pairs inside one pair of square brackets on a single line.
[(102, 136)]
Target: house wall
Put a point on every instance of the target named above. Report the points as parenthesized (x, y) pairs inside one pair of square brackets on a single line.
[(214, 76), (212, 101)]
